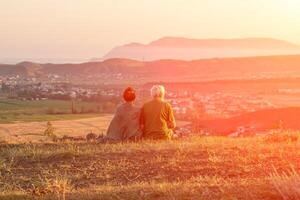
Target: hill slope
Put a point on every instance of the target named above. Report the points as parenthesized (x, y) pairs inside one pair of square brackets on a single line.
[(163, 69), (193, 168), (263, 120)]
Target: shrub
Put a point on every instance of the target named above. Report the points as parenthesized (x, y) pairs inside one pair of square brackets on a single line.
[(49, 131)]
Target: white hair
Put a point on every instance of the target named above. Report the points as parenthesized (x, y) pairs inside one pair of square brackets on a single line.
[(158, 91)]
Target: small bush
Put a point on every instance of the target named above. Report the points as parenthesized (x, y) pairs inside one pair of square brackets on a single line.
[(49, 132)]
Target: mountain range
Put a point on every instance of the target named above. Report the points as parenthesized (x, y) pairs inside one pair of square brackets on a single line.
[(165, 69), (191, 49)]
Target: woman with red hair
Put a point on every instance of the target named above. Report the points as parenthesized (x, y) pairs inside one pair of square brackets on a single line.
[(125, 123)]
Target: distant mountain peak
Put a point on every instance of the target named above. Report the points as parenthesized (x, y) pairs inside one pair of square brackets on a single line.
[(229, 43), (182, 48), (133, 44)]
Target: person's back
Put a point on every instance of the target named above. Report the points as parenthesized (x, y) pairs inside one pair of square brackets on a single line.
[(157, 118), (125, 123)]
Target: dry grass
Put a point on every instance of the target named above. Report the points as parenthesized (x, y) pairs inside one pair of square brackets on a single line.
[(33, 131), (279, 136), (287, 183), (193, 168), (57, 186)]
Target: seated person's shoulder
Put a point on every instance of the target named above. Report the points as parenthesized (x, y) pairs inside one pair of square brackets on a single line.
[(167, 104), (147, 104), (120, 106), (137, 108)]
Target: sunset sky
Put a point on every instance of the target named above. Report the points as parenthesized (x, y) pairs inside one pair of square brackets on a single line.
[(77, 30)]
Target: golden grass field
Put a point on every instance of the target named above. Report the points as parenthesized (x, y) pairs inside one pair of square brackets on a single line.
[(23, 132), (199, 167)]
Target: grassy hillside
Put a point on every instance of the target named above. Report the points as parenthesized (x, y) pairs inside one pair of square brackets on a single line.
[(193, 168), (258, 121), (46, 110)]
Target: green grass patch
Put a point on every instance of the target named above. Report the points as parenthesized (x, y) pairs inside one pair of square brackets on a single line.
[(43, 117), (45, 110)]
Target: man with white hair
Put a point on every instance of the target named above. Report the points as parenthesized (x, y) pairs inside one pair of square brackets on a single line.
[(157, 118)]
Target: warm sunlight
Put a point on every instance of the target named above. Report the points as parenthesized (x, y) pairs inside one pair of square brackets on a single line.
[(292, 5), (149, 99)]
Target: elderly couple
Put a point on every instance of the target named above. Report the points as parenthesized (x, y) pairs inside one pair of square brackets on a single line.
[(155, 120)]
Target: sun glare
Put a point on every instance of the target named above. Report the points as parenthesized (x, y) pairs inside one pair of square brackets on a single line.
[(149, 99), (291, 7)]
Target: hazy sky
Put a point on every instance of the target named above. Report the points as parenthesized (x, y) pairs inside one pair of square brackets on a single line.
[(81, 29)]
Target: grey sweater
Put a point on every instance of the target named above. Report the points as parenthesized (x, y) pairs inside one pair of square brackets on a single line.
[(125, 123)]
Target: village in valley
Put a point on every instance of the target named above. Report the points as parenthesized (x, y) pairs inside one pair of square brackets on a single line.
[(190, 105)]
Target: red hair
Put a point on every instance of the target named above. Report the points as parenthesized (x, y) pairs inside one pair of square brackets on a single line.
[(129, 94)]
